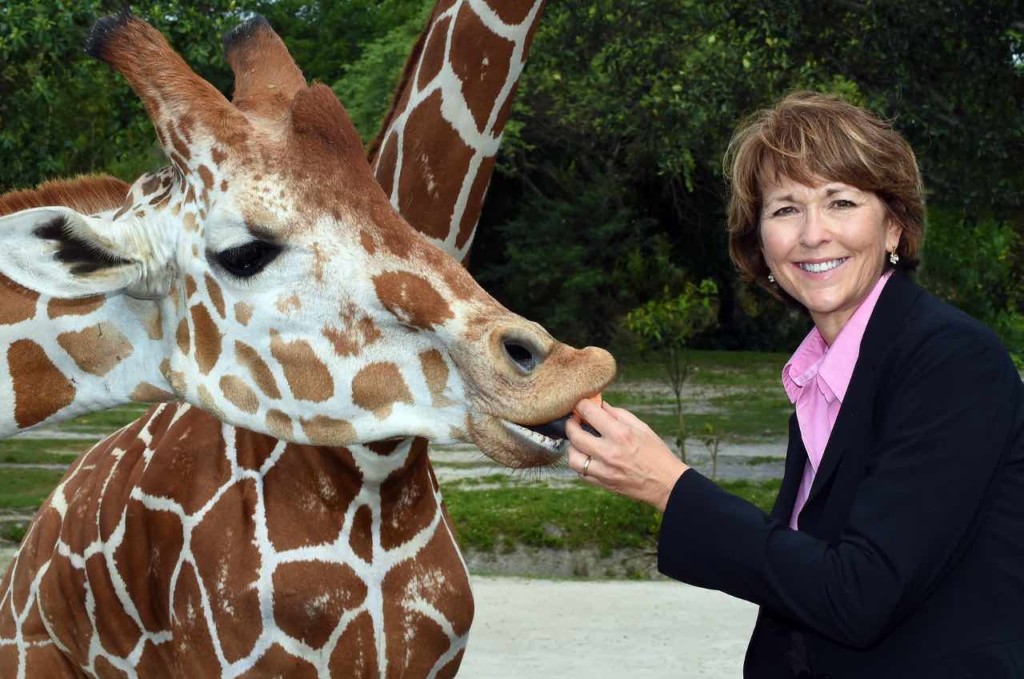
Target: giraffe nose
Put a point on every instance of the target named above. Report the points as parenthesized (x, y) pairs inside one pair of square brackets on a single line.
[(525, 357)]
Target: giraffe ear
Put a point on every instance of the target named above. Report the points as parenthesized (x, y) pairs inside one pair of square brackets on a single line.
[(61, 253)]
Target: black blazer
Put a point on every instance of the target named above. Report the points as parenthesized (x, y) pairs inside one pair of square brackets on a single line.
[(910, 557)]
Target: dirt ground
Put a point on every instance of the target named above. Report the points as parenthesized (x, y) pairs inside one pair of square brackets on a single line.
[(604, 630)]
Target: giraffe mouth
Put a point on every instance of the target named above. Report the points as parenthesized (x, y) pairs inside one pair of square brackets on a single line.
[(556, 428), (551, 436), (539, 439)]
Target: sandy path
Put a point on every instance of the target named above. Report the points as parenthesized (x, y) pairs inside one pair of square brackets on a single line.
[(535, 629)]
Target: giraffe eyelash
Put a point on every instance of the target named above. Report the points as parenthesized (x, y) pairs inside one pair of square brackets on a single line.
[(247, 260)]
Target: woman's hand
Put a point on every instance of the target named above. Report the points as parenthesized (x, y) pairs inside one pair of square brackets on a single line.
[(628, 458)]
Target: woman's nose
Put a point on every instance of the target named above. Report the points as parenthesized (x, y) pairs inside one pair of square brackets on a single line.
[(814, 232)]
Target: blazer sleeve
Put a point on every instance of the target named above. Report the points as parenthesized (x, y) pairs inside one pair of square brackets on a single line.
[(949, 414)]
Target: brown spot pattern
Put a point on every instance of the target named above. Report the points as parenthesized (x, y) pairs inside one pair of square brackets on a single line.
[(328, 431), (229, 568), (308, 377), (191, 637), (289, 304), (251, 359), (96, 349), (153, 322), (412, 299), (366, 240), (207, 338), (356, 652), (358, 330), (430, 184), (361, 538), (491, 51), (237, 392), (156, 543), (243, 312), (435, 370), (16, 303), (279, 424), (378, 386), (58, 307), (438, 578), (313, 488), (145, 392), (40, 388), (433, 56), (206, 176), (183, 337), (310, 598), (216, 296)]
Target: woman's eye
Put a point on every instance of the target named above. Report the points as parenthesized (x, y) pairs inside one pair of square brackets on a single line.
[(783, 211), (842, 203), (245, 261)]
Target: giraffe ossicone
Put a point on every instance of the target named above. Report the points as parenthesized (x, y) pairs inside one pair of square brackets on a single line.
[(264, 277)]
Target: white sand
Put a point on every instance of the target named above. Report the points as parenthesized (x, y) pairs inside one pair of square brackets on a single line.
[(535, 629)]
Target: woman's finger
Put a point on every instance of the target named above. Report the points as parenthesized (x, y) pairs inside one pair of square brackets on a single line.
[(581, 463)]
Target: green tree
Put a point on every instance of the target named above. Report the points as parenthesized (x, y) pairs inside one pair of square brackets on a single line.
[(640, 97), (667, 326), (62, 113)]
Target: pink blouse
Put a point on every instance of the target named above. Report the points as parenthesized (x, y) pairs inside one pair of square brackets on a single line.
[(816, 378)]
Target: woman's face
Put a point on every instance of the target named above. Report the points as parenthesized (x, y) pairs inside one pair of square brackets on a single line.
[(825, 245)]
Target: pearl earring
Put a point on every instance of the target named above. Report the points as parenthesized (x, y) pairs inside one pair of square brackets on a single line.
[(771, 279), (893, 257)]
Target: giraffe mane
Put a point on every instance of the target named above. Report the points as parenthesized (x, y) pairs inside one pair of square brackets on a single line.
[(88, 194)]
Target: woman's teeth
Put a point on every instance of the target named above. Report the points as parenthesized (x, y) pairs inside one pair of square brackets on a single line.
[(820, 267)]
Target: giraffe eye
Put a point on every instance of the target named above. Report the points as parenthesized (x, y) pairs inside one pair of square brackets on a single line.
[(245, 261)]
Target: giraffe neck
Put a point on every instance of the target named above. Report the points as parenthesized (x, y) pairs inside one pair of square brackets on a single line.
[(437, 148), (60, 358), (64, 357), (345, 565)]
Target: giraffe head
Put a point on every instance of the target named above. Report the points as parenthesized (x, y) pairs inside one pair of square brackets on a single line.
[(293, 299)]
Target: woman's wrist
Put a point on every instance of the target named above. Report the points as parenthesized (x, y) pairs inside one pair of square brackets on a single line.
[(672, 478)]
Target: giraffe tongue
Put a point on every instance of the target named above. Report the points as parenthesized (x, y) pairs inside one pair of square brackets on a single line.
[(556, 428)]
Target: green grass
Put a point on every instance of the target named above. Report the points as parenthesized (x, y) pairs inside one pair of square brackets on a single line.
[(41, 451), (499, 519), (105, 421), (14, 531), (26, 487), (720, 368)]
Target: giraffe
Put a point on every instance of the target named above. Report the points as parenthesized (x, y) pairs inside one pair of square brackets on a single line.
[(386, 593)]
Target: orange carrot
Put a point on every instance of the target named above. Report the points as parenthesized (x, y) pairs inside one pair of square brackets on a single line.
[(596, 398)]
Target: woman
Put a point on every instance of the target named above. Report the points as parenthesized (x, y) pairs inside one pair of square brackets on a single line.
[(896, 544)]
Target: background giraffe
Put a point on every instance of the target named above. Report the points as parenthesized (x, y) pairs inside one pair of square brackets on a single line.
[(387, 594)]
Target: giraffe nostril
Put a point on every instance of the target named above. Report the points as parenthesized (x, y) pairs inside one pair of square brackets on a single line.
[(523, 356)]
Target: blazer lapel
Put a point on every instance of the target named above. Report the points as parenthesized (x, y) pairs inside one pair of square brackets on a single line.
[(796, 458), (886, 321)]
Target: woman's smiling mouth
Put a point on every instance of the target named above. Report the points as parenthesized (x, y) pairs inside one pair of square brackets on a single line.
[(821, 267)]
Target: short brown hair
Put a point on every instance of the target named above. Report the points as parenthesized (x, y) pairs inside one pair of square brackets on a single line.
[(807, 137)]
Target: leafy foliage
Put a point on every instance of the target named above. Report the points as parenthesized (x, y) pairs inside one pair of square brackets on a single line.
[(62, 113), (611, 166), (668, 325), (641, 96)]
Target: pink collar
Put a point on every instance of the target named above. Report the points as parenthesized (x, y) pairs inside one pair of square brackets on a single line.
[(834, 364)]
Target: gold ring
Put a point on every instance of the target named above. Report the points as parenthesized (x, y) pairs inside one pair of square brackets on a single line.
[(586, 466)]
